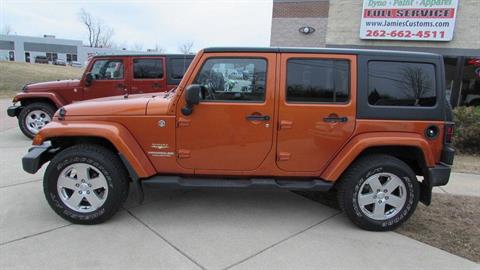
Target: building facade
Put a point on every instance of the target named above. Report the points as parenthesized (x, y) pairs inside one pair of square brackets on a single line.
[(446, 27), (48, 49)]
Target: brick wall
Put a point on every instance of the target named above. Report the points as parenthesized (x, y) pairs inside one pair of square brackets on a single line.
[(289, 15)]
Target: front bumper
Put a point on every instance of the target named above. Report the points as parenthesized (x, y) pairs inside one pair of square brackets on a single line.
[(37, 156), (14, 111)]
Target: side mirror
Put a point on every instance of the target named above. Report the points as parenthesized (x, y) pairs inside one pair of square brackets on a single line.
[(88, 79), (192, 97)]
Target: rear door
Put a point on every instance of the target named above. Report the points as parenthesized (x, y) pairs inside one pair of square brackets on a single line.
[(316, 109), (148, 74), (108, 78)]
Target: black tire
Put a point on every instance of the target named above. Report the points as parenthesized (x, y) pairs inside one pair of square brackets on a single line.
[(103, 160), (351, 181), (42, 106)]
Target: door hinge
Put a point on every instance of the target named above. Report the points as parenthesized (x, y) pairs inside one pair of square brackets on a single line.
[(183, 153), (285, 124), (183, 122), (283, 156)]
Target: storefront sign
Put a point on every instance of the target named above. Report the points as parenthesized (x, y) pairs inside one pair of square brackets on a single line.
[(432, 20)]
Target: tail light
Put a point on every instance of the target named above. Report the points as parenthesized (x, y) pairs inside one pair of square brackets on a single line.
[(449, 130)]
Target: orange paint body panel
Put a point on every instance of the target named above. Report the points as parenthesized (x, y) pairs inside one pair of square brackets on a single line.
[(218, 139)]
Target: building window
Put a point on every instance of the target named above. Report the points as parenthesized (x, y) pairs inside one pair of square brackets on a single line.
[(317, 80), (52, 57), (71, 57), (147, 68), (233, 79), (401, 84), (27, 57), (11, 56)]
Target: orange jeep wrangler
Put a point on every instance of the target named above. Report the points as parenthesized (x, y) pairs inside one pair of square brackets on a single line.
[(372, 125)]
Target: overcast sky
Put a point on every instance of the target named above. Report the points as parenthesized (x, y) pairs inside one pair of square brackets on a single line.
[(164, 22)]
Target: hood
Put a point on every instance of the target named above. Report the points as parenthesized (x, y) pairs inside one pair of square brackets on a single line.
[(52, 85), (118, 105)]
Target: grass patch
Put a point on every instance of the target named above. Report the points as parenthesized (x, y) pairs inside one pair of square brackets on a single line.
[(14, 75), (450, 223), (466, 163)]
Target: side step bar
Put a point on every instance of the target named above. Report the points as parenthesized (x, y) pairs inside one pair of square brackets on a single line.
[(265, 183)]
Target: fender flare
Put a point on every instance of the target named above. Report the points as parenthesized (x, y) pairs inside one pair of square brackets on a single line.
[(359, 143), (58, 101), (115, 133)]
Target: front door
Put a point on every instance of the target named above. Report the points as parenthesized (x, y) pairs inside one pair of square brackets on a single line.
[(109, 79), (148, 75), (231, 128), (316, 109)]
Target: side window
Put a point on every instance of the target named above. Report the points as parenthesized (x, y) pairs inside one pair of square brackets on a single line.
[(147, 68), (318, 80), (108, 69), (233, 79), (178, 67), (401, 84)]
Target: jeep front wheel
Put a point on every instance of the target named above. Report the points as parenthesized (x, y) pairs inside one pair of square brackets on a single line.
[(35, 116), (378, 192), (86, 184)]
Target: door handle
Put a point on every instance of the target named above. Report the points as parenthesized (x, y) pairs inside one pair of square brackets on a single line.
[(333, 118), (255, 117)]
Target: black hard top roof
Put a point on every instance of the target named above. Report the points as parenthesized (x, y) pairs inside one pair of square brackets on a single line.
[(321, 50)]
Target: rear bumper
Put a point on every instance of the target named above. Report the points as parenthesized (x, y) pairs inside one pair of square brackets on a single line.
[(439, 175), (14, 111), (37, 156)]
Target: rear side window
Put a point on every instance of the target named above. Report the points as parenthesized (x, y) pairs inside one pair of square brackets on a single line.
[(318, 80), (147, 68), (401, 84), (178, 67)]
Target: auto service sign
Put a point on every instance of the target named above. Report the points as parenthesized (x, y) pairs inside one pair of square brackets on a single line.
[(428, 20)]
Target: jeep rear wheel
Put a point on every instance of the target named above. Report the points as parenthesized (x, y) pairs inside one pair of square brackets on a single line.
[(378, 192), (35, 116), (86, 184)]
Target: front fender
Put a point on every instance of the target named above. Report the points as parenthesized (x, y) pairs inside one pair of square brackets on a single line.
[(115, 133), (58, 101), (359, 143)]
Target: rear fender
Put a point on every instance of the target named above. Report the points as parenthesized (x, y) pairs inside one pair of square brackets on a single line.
[(115, 133), (364, 141)]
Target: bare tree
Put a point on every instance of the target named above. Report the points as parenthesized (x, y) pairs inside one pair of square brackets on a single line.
[(158, 49), (137, 46), (99, 34), (186, 48), (7, 30), (416, 83)]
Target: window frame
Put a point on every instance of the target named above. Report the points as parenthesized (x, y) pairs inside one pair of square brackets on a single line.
[(366, 111), (349, 87), (263, 101), (435, 80), (109, 59), (148, 58)]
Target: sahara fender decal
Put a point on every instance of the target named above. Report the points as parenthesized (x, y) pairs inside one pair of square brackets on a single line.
[(58, 101), (117, 134), (361, 142)]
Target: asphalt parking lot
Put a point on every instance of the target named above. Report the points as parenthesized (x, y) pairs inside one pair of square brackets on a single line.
[(193, 229)]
